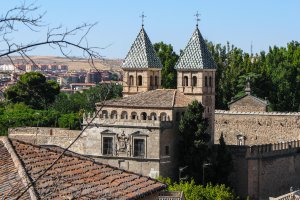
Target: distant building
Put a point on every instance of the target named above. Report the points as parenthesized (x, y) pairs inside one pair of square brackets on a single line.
[(80, 86), (32, 68), (93, 77)]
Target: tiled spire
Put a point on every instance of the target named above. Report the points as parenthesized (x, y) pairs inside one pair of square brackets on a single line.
[(142, 53), (195, 55)]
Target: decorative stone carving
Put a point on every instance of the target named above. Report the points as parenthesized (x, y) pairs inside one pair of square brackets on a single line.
[(122, 146)]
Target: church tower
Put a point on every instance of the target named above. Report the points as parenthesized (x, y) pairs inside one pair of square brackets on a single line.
[(141, 67), (196, 71)]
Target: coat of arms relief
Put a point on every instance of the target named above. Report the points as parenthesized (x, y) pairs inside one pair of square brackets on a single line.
[(123, 145)]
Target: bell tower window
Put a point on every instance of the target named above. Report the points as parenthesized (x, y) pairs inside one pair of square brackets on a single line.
[(194, 81), (156, 80), (185, 81), (206, 82), (140, 80), (131, 81)]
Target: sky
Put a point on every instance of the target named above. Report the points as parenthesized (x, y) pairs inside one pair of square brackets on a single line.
[(263, 23)]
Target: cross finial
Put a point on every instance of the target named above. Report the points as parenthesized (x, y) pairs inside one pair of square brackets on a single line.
[(197, 18), (142, 16)]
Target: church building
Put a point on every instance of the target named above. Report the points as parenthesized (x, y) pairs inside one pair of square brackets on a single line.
[(139, 132)]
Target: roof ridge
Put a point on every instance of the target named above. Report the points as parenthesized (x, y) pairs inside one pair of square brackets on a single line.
[(19, 166)]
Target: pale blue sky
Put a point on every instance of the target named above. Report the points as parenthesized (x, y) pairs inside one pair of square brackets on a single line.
[(265, 22)]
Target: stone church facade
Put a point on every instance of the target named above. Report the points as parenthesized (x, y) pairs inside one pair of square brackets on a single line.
[(139, 132)]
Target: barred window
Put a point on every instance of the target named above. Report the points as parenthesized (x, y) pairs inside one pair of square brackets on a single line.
[(107, 145), (139, 148)]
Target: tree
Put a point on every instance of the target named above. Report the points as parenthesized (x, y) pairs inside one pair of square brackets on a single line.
[(168, 58), (192, 191), (192, 128), (222, 163), (33, 90)]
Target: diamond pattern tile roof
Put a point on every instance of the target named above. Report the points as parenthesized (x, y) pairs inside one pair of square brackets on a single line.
[(195, 55), (142, 53)]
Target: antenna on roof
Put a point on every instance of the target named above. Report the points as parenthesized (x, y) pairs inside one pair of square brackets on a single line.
[(142, 16), (197, 18)]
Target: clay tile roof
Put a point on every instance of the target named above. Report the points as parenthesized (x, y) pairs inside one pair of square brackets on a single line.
[(10, 181), (77, 177), (142, 53), (160, 98), (195, 55)]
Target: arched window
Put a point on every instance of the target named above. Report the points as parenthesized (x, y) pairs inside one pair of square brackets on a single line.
[(153, 116), (151, 80), (194, 81), (113, 114), (124, 115), (156, 80), (163, 116), (210, 81), (133, 115), (104, 114), (140, 80), (143, 116), (205, 84), (185, 81), (131, 81)]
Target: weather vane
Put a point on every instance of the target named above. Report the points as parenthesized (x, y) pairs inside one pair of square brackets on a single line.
[(142, 16), (197, 18)]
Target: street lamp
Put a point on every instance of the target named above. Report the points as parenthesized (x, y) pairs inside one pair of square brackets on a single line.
[(203, 167), (180, 171)]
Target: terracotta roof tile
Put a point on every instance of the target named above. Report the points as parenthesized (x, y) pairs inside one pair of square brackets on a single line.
[(168, 98), (76, 176), (10, 181)]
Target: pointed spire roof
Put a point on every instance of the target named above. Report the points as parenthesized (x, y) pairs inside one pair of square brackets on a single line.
[(196, 55), (142, 53)]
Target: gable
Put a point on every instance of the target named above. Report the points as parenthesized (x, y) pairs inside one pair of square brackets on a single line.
[(248, 103)]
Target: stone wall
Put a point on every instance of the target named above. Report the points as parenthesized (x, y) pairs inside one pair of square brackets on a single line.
[(157, 136), (47, 136), (256, 127), (266, 170)]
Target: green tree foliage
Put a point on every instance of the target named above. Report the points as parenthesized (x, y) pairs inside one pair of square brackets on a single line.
[(33, 90), (192, 191), (86, 100), (222, 163), (71, 121), (193, 150), (275, 75), (19, 114), (65, 112), (168, 58)]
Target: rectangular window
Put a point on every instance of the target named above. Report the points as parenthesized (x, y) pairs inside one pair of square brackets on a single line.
[(107, 145), (205, 81), (139, 148)]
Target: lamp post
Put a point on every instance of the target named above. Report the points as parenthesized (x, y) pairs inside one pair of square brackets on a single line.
[(203, 170), (180, 171)]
